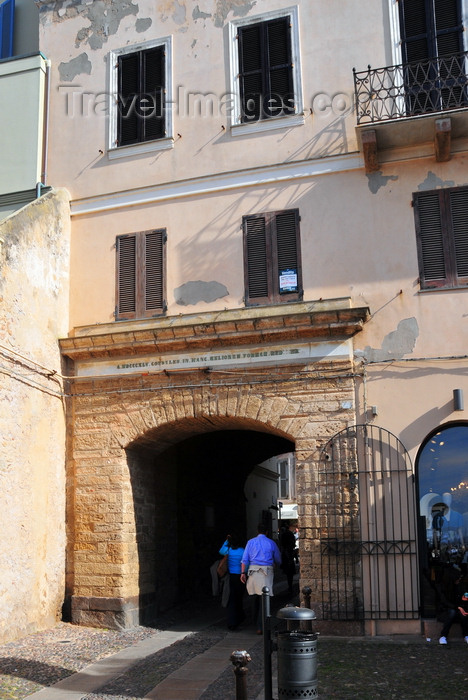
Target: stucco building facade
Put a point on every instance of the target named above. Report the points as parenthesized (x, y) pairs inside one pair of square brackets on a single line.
[(268, 255)]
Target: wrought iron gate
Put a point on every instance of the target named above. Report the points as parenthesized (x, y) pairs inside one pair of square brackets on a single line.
[(367, 522)]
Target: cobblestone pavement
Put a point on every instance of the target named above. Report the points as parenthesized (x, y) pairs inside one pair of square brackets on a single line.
[(347, 668)]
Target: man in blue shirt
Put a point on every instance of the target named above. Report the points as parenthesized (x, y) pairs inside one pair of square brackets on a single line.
[(260, 556)]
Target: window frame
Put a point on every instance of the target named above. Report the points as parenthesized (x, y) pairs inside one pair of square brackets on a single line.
[(7, 26), (166, 142), (444, 235), (270, 260), (239, 127), (140, 276)]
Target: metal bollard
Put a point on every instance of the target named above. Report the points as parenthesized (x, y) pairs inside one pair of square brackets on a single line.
[(297, 655), (240, 659), (307, 593), (306, 625), (267, 648)]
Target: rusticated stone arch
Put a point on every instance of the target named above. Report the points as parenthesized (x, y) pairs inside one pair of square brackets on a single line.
[(125, 425)]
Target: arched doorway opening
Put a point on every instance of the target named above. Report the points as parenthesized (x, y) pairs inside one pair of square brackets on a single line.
[(442, 470), (187, 480)]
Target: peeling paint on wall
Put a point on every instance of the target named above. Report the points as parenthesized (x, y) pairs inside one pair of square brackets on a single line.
[(432, 182), (395, 345), (377, 180), (239, 8), (194, 292), (179, 14), (174, 10), (198, 14), (141, 25), (103, 18), (77, 66)]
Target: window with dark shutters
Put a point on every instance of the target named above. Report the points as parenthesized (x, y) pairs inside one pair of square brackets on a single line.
[(432, 29), (140, 274), (141, 96), (266, 70), (442, 237), (272, 257)]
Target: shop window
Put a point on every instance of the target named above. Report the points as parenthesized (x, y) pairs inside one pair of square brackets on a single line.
[(140, 116), (272, 257), (141, 274), (443, 489), (265, 69), (442, 237)]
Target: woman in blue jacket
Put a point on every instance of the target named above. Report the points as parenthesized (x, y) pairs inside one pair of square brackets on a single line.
[(235, 611)]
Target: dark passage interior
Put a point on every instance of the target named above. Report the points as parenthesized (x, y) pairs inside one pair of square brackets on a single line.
[(187, 497)]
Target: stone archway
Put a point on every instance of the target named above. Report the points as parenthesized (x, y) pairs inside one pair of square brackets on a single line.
[(187, 499), (285, 371), (118, 418)]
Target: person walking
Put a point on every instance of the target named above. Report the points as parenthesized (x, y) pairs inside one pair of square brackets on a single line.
[(288, 545), (260, 555), (453, 603), (235, 609)]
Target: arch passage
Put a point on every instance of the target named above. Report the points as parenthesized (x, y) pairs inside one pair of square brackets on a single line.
[(155, 461), (186, 500)]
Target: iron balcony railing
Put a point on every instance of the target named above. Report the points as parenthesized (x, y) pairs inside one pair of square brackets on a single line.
[(410, 89)]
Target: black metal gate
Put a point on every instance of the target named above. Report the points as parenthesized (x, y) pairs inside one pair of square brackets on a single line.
[(366, 512)]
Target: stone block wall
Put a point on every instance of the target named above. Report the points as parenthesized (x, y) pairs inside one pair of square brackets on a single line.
[(124, 491)]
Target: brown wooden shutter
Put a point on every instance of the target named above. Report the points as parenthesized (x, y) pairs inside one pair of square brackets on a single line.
[(442, 237), (459, 216), (154, 272), (287, 244), (430, 241), (126, 276), (257, 251), (141, 275), (271, 247)]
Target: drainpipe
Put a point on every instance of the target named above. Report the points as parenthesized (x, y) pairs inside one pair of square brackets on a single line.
[(45, 133)]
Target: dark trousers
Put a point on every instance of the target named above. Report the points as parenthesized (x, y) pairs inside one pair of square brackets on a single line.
[(449, 617), (235, 610)]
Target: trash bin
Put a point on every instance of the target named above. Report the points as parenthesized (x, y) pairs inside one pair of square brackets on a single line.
[(297, 655)]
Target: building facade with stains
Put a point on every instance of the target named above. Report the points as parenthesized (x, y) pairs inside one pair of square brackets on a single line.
[(269, 216)]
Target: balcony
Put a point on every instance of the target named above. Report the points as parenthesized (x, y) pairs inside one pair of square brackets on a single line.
[(419, 106)]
